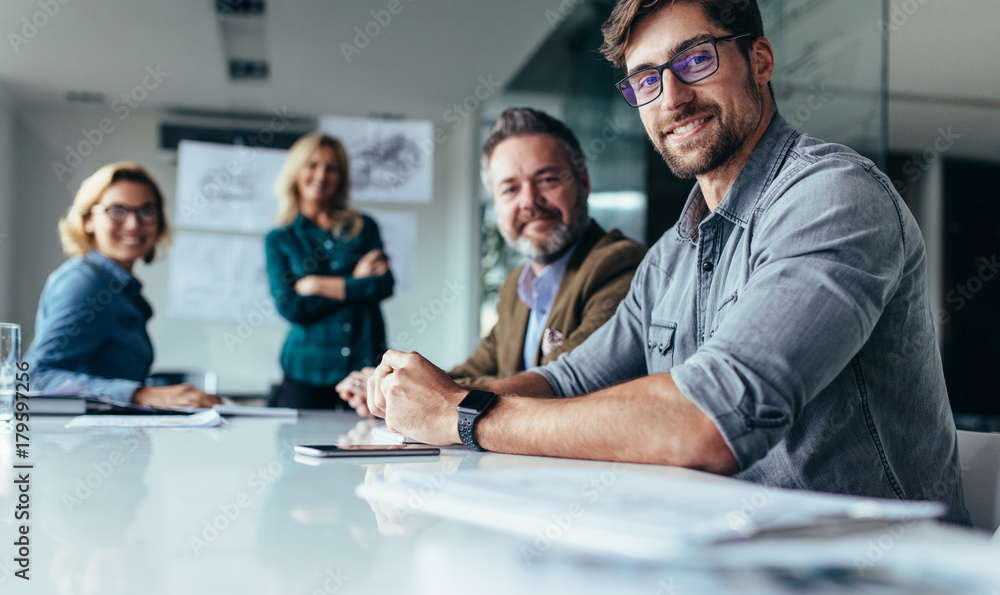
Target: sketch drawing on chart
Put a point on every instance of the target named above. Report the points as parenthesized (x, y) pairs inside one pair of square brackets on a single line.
[(385, 163), (232, 188), (391, 160), (227, 187)]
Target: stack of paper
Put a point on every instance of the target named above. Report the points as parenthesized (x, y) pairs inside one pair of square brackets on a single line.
[(630, 513), (205, 419)]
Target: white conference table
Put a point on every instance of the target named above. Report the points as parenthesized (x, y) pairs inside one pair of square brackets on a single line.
[(132, 511)]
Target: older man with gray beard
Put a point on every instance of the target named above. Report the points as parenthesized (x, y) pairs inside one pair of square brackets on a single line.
[(576, 272)]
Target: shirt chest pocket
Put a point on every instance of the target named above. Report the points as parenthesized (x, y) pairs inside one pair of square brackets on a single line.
[(724, 308), (660, 346)]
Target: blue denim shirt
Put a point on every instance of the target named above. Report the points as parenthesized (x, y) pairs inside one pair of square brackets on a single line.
[(91, 329), (796, 316)]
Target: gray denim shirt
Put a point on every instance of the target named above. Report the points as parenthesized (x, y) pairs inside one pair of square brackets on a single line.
[(796, 316)]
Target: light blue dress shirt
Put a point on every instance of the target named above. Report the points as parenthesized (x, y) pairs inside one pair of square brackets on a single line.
[(538, 292)]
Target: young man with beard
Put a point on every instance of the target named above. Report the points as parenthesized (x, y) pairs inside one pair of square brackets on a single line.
[(576, 273), (779, 332)]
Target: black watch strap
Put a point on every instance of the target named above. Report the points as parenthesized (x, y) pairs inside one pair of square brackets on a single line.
[(476, 404)]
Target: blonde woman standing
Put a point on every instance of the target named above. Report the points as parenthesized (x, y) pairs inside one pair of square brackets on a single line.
[(90, 328), (328, 274)]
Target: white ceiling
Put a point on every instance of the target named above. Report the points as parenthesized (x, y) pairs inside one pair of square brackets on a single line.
[(944, 69), (429, 55)]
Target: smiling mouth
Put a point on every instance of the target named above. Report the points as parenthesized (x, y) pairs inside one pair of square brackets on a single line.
[(131, 241), (689, 126)]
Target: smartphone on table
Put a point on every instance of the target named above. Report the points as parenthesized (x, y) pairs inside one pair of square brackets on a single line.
[(366, 450)]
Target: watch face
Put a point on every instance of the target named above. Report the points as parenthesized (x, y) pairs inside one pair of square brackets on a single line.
[(476, 401)]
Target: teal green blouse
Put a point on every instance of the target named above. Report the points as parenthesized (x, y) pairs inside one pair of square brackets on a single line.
[(329, 338)]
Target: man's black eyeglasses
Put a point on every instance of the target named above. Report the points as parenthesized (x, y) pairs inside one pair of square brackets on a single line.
[(690, 65)]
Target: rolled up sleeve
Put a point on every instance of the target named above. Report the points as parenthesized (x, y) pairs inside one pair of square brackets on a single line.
[(825, 257)]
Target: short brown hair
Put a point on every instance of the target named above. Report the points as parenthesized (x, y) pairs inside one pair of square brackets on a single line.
[(75, 239), (517, 121), (733, 16)]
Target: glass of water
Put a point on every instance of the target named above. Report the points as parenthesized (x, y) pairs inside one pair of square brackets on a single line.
[(10, 355)]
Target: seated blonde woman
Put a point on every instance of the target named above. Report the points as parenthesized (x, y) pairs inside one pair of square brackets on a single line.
[(90, 329)]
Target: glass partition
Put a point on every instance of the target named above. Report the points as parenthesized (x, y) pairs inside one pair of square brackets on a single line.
[(830, 81)]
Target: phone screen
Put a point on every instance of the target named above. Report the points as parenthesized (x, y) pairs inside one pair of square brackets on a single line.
[(366, 450)]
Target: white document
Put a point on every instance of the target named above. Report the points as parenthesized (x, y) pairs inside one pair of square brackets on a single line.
[(399, 237), (245, 411), (387, 436), (634, 514), (219, 277), (391, 160), (205, 419), (227, 187)]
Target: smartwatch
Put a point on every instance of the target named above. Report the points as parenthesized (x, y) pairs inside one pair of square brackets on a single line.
[(475, 405)]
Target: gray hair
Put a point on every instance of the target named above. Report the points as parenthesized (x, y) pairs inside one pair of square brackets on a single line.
[(518, 121)]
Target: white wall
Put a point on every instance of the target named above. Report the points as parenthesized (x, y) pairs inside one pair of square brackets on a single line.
[(417, 319), (7, 144)]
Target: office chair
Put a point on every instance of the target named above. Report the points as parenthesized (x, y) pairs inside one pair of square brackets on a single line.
[(979, 456)]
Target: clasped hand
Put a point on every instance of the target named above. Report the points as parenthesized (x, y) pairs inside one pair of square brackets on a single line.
[(416, 398)]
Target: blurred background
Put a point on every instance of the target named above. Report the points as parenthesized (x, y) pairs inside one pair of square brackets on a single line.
[(912, 84)]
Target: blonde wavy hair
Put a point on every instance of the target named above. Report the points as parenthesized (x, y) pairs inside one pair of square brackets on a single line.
[(75, 239), (347, 221)]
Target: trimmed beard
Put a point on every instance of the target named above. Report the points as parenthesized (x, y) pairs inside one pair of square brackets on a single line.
[(559, 240), (726, 143)]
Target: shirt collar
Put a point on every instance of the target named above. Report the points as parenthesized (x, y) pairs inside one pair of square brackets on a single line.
[(551, 275), (111, 267), (757, 174)]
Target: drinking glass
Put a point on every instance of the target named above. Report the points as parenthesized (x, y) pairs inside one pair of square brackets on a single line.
[(10, 355)]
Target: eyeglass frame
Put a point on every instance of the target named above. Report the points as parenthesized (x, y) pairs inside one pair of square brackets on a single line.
[(129, 211), (669, 65)]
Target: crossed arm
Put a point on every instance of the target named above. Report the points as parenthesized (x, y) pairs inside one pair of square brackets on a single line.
[(646, 420)]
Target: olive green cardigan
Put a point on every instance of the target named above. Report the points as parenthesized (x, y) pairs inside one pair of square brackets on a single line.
[(596, 279)]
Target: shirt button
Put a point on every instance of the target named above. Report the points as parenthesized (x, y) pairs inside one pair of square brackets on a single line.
[(347, 327), (707, 266), (328, 244), (335, 264), (346, 351)]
